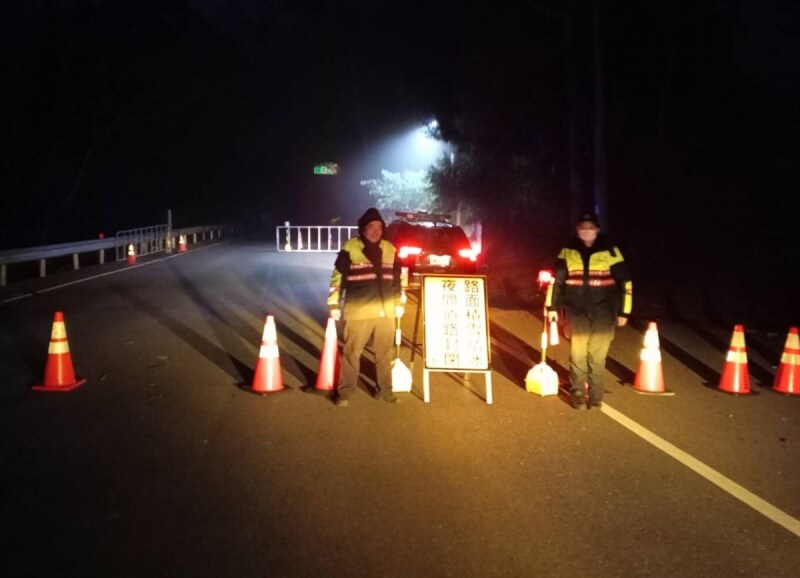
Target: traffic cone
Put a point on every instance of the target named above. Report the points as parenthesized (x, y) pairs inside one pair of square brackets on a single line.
[(131, 255), (182, 244), (649, 377), (735, 377), (328, 374), (268, 377), (59, 374), (787, 380)]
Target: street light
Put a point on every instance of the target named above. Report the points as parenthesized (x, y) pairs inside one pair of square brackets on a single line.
[(426, 146)]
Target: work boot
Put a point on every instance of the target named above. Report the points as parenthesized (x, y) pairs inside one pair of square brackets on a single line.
[(578, 401), (342, 402), (391, 398), (594, 404)]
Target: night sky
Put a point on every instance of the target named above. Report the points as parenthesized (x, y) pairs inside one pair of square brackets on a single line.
[(219, 110)]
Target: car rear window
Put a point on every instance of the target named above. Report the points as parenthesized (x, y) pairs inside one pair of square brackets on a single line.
[(452, 236), (427, 237)]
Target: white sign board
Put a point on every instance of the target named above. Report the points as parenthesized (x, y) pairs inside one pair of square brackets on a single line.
[(456, 320)]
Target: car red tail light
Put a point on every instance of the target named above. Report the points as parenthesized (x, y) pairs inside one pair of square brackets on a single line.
[(470, 254), (408, 251), (545, 276)]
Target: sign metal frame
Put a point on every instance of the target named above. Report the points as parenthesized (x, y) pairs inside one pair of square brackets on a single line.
[(459, 316)]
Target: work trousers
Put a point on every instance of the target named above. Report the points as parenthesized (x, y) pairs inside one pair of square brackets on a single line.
[(592, 333), (356, 336)]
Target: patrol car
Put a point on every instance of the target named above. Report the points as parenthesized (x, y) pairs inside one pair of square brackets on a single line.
[(430, 243)]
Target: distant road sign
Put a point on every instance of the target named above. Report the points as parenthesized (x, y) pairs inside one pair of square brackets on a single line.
[(326, 169)]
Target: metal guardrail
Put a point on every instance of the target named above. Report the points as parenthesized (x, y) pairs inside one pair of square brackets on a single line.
[(145, 241), (156, 238), (313, 238), (44, 252), (27, 254)]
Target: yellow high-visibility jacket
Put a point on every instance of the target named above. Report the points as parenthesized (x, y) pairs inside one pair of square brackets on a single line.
[(367, 293), (591, 279)]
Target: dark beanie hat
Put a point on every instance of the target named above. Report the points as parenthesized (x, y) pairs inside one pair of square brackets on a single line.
[(372, 214), (590, 217)]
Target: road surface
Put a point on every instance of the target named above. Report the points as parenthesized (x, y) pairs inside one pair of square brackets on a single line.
[(164, 465)]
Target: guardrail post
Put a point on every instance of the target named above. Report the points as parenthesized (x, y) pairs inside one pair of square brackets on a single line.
[(211, 234), (42, 268), (2, 275), (75, 262), (102, 256), (194, 238)]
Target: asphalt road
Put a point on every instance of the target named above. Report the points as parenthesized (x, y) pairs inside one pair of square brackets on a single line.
[(164, 465)]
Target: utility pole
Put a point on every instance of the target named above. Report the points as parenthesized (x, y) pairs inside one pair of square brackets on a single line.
[(168, 248), (600, 197), (584, 75), (573, 92), (569, 20)]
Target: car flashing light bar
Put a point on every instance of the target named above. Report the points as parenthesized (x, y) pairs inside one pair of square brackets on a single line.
[(422, 216)]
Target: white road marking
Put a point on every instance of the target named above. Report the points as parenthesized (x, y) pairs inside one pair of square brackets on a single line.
[(17, 298), (740, 493), (726, 484), (737, 491), (128, 268)]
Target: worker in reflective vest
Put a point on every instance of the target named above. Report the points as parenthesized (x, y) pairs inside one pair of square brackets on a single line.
[(593, 287), (366, 277)]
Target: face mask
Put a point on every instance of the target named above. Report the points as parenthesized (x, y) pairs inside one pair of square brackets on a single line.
[(587, 235)]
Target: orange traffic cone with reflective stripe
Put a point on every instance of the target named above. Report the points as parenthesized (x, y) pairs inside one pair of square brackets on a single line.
[(328, 374), (182, 244), (268, 377), (787, 380), (131, 255), (650, 377), (59, 375), (735, 377)]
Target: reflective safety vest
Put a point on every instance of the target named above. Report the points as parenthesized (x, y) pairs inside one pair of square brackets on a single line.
[(367, 293), (591, 279)]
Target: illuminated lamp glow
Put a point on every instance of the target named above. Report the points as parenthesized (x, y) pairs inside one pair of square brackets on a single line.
[(408, 251), (545, 276), (470, 254)]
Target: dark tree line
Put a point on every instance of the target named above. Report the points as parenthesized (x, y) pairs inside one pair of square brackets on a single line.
[(699, 107), (118, 112), (121, 110)]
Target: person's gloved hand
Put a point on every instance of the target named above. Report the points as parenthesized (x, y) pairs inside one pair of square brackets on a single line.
[(399, 310), (336, 313), (552, 316)]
